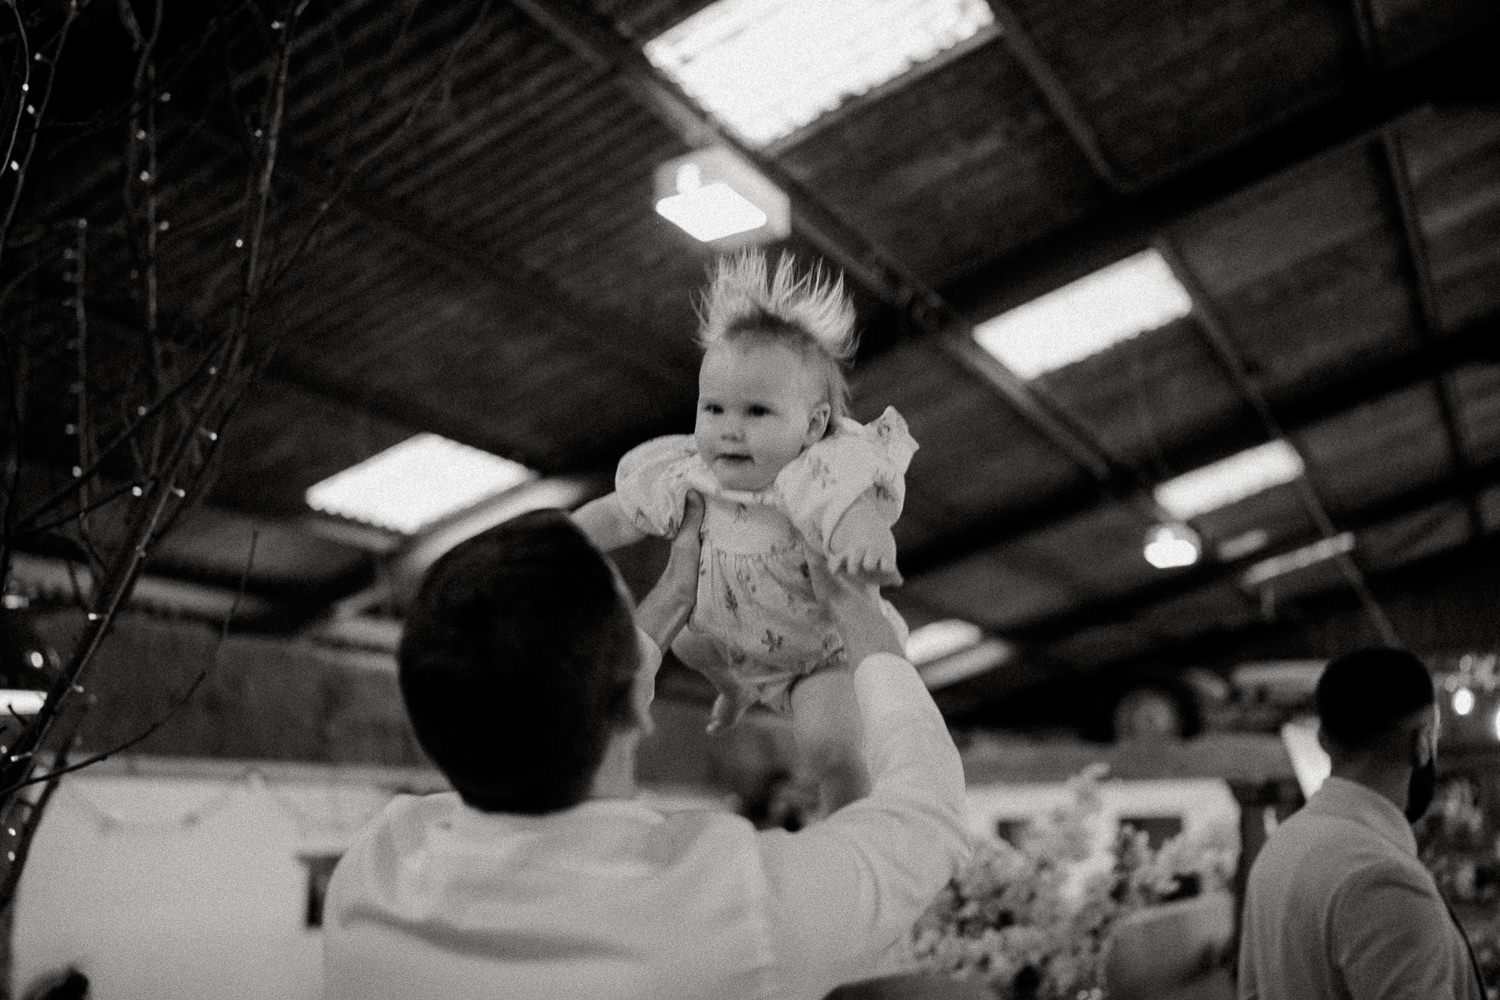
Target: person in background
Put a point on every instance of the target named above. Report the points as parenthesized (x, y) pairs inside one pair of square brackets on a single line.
[(1337, 904), (529, 686), (68, 984)]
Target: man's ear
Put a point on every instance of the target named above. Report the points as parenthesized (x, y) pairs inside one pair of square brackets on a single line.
[(817, 423), (1425, 741)]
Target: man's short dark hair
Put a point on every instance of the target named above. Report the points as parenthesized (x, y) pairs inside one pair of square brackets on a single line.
[(1364, 696), (517, 660)]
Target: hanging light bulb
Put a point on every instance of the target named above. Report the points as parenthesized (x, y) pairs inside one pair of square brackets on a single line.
[(1463, 701), (1172, 545)]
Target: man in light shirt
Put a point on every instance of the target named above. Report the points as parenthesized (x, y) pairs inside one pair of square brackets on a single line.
[(1338, 905), (528, 684)]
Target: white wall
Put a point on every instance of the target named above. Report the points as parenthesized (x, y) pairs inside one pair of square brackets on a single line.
[(188, 887), (1205, 804), (162, 886), (183, 887)]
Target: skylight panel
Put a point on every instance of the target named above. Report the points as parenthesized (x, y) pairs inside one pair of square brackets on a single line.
[(1298, 559), (766, 68), (415, 484), (1230, 479), (1082, 318), (966, 663)]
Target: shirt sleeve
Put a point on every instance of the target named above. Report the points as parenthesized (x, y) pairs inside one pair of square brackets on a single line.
[(864, 464), (1394, 939), (651, 483), (846, 889)]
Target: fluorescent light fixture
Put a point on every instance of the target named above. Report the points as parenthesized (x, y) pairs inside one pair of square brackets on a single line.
[(1230, 479), (1496, 725), (416, 483), (1172, 546), (1244, 544), (1463, 701), (766, 68), (1297, 559), (717, 196), (966, 663), (21, 701), (711, 212), (941, 638), (1082, 318)]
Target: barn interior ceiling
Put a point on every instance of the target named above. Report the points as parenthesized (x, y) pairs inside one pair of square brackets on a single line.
[(458, 238)]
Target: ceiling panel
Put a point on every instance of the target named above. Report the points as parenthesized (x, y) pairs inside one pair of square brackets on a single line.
[(1144, 396), (1378, 451), (956, 170), (1453, 155), (1307, 273), (1211, 75)]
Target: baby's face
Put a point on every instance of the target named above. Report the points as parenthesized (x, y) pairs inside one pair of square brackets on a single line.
[(758, 408)]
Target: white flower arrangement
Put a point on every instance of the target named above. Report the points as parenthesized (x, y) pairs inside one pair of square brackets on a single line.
[(1033, 919)]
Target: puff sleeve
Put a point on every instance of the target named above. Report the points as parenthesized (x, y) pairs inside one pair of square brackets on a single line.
[(652, 481), (856, 464)]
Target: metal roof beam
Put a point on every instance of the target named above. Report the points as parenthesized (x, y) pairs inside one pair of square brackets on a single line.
[(1348, 389), (1130, 222), (1021, 45), (1415, 246), (1181, 583), (1228, 356)]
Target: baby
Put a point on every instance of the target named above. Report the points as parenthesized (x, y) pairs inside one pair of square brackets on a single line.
[(784, 474)]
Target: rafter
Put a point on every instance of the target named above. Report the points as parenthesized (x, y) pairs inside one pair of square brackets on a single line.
[(1344, 390), (1059, 98), (1129, 222), (1170, 587), (1414, 245), (1216, 334), (862, 259)]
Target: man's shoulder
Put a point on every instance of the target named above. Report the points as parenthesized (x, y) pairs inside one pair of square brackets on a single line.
[(1311, 850), (1331, 855)]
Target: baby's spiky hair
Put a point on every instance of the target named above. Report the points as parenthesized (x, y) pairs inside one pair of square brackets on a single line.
[(742, 296)]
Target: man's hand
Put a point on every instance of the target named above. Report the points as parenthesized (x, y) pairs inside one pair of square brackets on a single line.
[(664, 611), (855, 609)]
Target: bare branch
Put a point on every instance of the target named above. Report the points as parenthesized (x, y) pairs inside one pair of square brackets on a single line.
[(173, 709), (36, 106)]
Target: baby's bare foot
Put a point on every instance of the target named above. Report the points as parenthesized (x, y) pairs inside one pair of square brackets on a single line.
[(729, 708)]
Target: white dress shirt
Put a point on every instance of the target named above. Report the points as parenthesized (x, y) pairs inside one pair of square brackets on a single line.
[(613, 899), (1338, 906)]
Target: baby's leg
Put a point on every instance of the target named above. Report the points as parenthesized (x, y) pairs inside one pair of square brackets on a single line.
[(735, 694), (825, 724)]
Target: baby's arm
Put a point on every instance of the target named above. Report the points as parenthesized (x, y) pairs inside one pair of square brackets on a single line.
[(862, 545), (607, 524)]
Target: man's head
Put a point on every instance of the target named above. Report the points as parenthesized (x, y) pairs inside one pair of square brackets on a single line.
[(518, 661), (1376, 714)]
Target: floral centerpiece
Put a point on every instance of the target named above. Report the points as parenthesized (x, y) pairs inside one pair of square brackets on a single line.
[(1460, 844), (1033, 919)]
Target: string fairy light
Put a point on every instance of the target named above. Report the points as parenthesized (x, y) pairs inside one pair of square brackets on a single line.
[(337, 823)]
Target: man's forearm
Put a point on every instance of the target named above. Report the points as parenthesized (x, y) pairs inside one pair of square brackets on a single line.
[(906, 740), (666, 609), (848, 887)]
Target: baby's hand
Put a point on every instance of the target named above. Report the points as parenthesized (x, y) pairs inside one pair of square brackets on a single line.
[(863, 547), (870, 562)]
